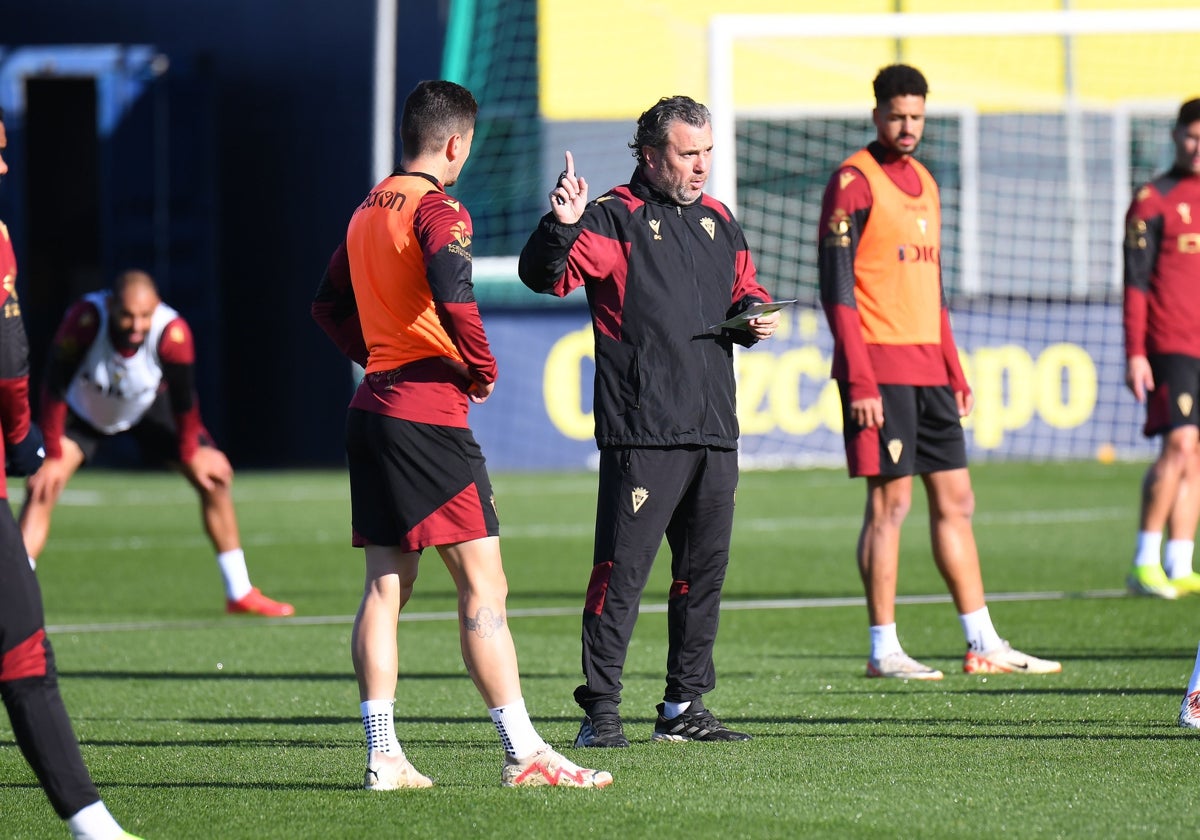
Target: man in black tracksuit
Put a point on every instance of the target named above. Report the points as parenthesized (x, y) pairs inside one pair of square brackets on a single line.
[(662, 263)]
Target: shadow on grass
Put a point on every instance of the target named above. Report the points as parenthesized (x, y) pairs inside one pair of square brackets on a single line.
[(111, 785), (295, 676)]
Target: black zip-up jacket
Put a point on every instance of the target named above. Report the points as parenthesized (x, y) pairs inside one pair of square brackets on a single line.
[(658, 276)]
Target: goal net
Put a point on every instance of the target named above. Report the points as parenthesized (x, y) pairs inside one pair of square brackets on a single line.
[(1041, 123), (1039, 126)]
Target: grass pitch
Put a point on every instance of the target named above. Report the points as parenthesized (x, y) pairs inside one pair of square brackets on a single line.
[(200, 725)]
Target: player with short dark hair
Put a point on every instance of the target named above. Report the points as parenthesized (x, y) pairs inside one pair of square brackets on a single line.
[(123, 361), (899, 80), (662, 263), (902, 386), (28, 677), (1162, 352), (397, 298)]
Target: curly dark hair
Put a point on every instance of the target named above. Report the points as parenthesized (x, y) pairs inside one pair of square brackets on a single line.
[(655, 123), (899, 80)]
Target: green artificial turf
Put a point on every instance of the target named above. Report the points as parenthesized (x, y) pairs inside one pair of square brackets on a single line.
[(200, 725)]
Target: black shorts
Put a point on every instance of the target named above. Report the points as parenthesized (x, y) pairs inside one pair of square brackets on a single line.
[(156, 435), (414, 485), (922, 433), (1172, 403)]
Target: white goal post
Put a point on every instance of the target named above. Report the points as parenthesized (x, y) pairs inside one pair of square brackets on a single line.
[(726, 32)]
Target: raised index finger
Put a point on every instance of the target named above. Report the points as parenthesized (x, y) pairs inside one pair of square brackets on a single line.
[(570, 168)]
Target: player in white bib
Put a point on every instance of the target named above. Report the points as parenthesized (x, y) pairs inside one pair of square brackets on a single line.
[(111, 390), (124, 362)]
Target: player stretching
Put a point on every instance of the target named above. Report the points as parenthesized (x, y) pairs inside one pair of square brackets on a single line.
[(122, 361)]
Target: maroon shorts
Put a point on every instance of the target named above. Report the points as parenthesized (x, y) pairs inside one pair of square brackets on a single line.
[(922, 433), (1172, 403), (414, 485)]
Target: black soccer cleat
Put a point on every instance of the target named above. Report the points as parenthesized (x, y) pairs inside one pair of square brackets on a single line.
[(601, 730), (695, 723)]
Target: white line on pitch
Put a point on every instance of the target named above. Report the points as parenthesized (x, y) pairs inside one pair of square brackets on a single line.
[(564, 530), (545, 612)]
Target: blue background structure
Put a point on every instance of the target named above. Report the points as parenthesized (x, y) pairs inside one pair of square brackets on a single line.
[(269, 107)]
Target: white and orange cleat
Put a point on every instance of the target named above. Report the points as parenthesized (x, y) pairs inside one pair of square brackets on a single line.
[(1006, 660), (548, 768)]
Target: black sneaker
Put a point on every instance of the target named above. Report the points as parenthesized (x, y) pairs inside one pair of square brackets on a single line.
[(695, 723), (601, 730)]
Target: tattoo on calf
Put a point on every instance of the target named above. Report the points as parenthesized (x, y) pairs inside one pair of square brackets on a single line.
[(485, 623)]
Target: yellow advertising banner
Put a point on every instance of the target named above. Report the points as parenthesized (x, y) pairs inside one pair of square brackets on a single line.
[(603, 61)]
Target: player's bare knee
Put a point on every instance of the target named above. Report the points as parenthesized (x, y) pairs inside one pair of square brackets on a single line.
[(889, 510), (957, 506), (215, 494), (966, 505), (487, 586), (1177, 458)]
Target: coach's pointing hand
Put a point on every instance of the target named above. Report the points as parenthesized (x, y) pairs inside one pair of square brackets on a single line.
[(569, 196)]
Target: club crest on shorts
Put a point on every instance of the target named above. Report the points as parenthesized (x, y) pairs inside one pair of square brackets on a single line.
[(895, 447), (639, 497), (1185, 404)]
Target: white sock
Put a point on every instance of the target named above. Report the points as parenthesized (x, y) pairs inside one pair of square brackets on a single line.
[(94, 823), (380, 727), (1149, 547), (516, 730), (233, 571), (884, 641), (1194, 682), (672, 710), (977, 627), (1177, 558)]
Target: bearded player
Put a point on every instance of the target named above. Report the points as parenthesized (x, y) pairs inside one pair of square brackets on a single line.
[(123, 362)]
